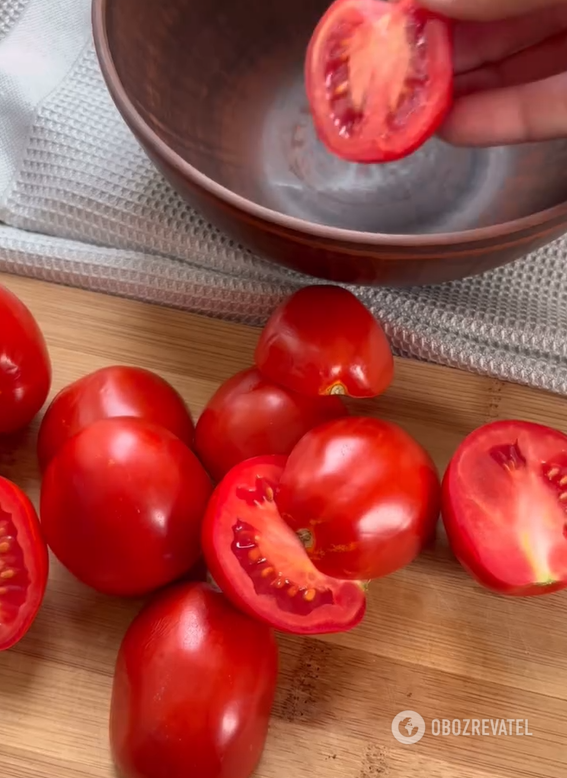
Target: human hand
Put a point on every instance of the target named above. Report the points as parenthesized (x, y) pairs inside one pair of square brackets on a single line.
[(511, 70)]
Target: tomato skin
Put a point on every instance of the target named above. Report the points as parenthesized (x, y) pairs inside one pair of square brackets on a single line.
[(122, 505), (23, 551), (25, 367), (322, 340), (189, 664), (242, 520), (368, 494), (503, 508), (420, 44), (112, 391), (249, 416)]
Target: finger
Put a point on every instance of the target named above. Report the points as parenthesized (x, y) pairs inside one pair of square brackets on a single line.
[(529, 112), (535, 64), (487, 10), (478, 43)]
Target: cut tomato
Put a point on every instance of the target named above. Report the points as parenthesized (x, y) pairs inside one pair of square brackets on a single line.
[(505, 507), (260, 563), (24, 564), (379, 78)]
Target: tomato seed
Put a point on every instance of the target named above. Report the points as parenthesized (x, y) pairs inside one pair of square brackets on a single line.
[(5, 574), (267, 572), (309, 595), (5, 546)]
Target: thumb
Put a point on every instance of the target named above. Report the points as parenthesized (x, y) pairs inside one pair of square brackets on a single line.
[(487, 10)]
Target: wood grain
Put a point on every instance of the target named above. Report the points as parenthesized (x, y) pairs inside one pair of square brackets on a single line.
[(433, 641)]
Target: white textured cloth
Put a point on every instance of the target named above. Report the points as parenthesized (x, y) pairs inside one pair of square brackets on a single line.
[(81, 205)]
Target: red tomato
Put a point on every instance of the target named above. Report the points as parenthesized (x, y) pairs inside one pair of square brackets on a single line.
[(193, 689), (505, 507), (25, 368), (112, 391), (249, 416), (24, 564), (261, 565), (363, 495), (379, 78), (322, 340), (122, 504)]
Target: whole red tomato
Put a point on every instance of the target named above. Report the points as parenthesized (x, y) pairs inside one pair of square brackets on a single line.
[(505, 507), (112, 391), (24, 564), (322, 340), (193, 689), (363, 495), (25, 368), (250, 416), (260, 563), (122, 504)]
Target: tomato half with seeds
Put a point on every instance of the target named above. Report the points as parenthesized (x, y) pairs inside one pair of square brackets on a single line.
[(250, 416), (24, 564), (112, 391), (363, 494), (505, 507), (261, 564), (323, 341), (379, 78)]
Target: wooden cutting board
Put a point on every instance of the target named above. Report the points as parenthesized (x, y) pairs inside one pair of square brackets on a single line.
[(433, 642)]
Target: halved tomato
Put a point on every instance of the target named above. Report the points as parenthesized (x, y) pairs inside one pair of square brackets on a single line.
[(24, 564), (260, 563), (505, 507), (379, 78)]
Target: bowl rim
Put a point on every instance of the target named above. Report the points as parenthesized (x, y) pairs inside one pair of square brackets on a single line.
[(268, 215)]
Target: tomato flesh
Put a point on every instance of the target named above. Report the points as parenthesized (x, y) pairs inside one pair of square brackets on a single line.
[(249, 416), (505, 507), (379, 78), (261, 564), (24, 564), (323, 341)]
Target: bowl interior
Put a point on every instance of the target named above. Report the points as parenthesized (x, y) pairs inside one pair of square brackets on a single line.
[(221, 82)]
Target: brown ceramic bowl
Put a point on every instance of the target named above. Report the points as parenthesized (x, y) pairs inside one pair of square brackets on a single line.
[(213, 90)]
